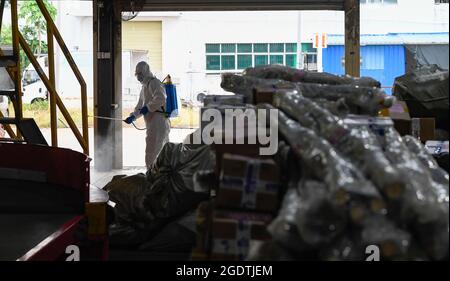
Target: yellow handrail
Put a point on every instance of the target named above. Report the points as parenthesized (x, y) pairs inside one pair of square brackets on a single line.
[(51, 76), (51, 25), (49, 82), (84, 143), (8, 128)]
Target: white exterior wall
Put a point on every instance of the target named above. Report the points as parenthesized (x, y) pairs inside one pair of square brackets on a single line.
[(184, 40), (185, 34)]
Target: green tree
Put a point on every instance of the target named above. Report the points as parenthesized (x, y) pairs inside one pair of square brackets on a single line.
[(6, 35), (35, 28)]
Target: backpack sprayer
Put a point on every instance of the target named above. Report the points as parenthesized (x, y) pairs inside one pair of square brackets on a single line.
[(171, 109)]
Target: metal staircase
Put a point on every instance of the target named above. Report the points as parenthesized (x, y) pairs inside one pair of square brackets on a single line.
[(27, 131)]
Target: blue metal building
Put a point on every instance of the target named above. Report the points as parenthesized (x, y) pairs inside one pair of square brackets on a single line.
[(383, 57)]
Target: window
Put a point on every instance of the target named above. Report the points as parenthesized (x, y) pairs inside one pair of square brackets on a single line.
[(30, 77), (244, 61), (260, 48), (228, 48), (277, 48), (291, 48), (237, 57), (261, 60), (212, 48), (212, 62), (291, 60), (228, 62), (309, 56), (244, 48), (276, 59)]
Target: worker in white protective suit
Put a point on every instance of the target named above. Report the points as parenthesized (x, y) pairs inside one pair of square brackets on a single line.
[(151, 104)]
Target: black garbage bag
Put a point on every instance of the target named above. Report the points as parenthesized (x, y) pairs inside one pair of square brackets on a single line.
[(425, 91), (146, 203), (127, 193), (172, 192)]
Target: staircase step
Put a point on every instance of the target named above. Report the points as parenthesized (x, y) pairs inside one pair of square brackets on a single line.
[(9, 93), (9, 120), (29, 129), (8, 61), (11, 140)]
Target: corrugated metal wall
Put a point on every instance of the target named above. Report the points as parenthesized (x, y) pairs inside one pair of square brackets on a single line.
[(382, 62)]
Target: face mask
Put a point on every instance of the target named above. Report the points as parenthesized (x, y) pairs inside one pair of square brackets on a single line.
[(140, 77)]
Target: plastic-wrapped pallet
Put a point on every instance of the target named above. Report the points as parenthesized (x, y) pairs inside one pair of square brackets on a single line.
[(297, 75), (343, 249), (392, 241), (426, 201), (359, 146), (360, 100), (319, 220), (437, 173), (324, 163), (283, 228), (224, 100)]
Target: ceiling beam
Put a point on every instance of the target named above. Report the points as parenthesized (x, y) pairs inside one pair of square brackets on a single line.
[(233, 5)]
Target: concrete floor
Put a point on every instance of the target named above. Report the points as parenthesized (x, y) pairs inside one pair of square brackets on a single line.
[(133, 143), (100, 179)]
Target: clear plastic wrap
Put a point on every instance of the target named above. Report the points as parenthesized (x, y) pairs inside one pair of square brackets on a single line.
[(324, 163), (268, 251), (338, 108), (425, 200), (359, 145), (392, 241), (244, 85), (359, 100), (437, 173), (224, 100), (297, 75), (319, 219), (343, 249), (283, 228)]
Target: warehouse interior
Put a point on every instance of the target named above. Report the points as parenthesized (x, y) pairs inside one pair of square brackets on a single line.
[(312, 166)]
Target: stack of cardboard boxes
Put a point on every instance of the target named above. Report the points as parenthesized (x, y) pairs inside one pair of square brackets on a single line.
[(245, 200)]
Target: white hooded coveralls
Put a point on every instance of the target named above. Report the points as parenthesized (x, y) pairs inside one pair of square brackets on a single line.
[(153, 95)]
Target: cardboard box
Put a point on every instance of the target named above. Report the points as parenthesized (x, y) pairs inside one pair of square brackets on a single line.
[(263, 95), (423, 128), (234, 232), (398, 111), (248, 183), (399, 114), (437, 147)]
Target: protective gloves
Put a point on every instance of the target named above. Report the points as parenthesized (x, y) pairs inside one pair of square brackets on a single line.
[(144, 110), (130, 119)]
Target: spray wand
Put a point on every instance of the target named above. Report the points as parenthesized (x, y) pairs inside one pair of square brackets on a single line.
[(118, 119)]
